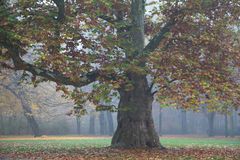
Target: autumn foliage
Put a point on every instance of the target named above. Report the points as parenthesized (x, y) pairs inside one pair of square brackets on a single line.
[(192, 57)]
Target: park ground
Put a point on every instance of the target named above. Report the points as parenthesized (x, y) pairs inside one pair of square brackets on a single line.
[(86, 147)]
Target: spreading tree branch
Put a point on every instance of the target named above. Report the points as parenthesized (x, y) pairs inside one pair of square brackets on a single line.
[(165, 86), (9, 89), (109, 19), (155, 41), (61, 9), (14, 52)]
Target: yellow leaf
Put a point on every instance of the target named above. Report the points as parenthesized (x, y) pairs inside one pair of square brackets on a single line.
[(34, 106)]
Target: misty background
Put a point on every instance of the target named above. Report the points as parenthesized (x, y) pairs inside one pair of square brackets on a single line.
[(25, 108)]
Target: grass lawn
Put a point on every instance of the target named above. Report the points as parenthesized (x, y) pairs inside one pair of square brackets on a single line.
[(182, 147)]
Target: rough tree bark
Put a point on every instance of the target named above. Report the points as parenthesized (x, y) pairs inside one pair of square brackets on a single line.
[(135, 123)]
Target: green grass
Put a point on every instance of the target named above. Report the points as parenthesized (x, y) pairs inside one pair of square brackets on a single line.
[(200, 142), (7, 146)]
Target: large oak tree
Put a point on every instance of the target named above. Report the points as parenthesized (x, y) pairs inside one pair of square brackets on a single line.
[(190, 57)]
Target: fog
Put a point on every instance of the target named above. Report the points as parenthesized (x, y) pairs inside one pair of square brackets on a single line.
[(51, 113)]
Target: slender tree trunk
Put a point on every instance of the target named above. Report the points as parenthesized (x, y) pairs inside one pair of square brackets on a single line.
[(160, 121), (15, 125), (135, 123), (102, 123), (183, 121), (110, 123), (232, 124), (226, 124), (10, 125), (238, 122), (19, 128), (235, 121), (33, 124), (78, 120), (211, 116), (92, 124), (2, 128)]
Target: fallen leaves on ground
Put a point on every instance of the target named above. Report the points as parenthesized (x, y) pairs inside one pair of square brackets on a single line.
[(131, 154)]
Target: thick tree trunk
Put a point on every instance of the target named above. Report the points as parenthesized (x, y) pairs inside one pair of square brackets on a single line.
[(102, 122), (92, 124), (184, 121), (110, 123), (211, 124), (135, 123)]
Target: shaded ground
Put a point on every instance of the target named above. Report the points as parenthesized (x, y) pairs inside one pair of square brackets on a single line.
[(141, 154), (96, 148)]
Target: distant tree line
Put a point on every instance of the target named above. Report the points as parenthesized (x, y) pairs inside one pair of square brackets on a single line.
[(167, 121)]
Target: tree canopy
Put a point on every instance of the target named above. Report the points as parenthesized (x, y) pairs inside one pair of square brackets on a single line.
[(191, 52), (192, 55)]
